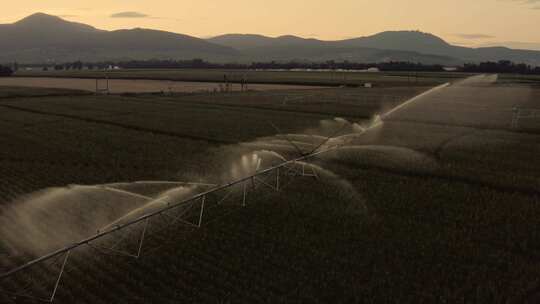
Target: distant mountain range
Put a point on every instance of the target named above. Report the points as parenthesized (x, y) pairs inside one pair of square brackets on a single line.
[(392, 45), (43, 38)]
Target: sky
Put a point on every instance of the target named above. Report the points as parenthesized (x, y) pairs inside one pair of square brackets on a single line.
[(462, 22)]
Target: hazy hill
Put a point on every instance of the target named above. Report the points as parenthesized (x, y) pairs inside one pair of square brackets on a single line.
[(41, 37), (426, 47), (251, 41), (430, 44), (327, 52), (44, 38), (402, 40), (413, 41), (257, 47)]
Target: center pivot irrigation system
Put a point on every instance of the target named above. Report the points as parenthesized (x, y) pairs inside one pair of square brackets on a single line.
[(188, 213), (102, 86)]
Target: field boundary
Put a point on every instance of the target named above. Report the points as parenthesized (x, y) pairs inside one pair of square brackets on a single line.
[(262, 108), (292, 83)]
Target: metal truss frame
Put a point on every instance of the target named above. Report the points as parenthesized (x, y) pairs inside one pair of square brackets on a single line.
[(193, 207)]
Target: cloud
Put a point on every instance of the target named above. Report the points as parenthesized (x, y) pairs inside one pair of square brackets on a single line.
[(132, 14), (525, 1), (514, 45), (129, 15), (531, 3), (474, 36)]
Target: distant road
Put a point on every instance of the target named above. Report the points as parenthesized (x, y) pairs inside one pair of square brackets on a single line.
[(472, 102), (309, 78), (134, 85)]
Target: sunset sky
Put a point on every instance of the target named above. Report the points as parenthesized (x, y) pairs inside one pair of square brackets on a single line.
[(464, 22)]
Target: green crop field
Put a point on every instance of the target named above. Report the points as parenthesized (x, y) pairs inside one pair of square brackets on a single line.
[(438, 203)]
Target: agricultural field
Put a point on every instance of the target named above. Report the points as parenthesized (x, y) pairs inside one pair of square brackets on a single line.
[(386, 79), (436, 200), (22, 91), (513, 79)]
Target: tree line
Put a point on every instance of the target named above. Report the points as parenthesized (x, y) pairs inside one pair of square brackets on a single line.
[(202, 64), (501, 67), (328, 65), (5, 71)]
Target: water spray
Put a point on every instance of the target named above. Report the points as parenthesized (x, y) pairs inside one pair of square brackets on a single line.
[(249, 169)]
